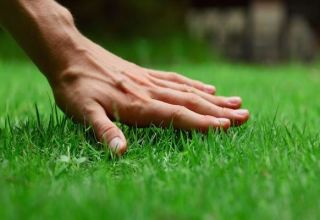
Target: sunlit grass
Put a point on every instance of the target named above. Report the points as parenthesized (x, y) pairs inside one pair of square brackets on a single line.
[(51, 168)]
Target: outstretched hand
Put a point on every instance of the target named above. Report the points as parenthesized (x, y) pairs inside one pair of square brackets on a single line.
[(98, 87), (95, 87)]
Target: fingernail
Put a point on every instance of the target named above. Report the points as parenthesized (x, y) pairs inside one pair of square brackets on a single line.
[(234, 100), (210, 89), (115, 144), (242, 112)]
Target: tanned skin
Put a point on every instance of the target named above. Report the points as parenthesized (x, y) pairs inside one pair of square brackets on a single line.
[(95, 87)]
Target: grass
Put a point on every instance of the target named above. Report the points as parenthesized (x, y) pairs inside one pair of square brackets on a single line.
[(267, 169)]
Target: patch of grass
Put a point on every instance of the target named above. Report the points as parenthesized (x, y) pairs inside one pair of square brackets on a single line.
[(51, 168)]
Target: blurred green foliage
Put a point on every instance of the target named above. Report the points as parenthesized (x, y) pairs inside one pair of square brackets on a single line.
[(175, 48)]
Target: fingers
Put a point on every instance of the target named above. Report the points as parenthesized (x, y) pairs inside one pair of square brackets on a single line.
[(200, 105), (227, 102), (105, 129), (163, 114), (177, 78)]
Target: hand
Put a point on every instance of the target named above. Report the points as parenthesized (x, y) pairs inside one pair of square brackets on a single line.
[(98, 87), (95, 87)]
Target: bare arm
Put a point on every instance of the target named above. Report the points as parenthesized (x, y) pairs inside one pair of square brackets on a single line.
[(44, 29), (93, 86)]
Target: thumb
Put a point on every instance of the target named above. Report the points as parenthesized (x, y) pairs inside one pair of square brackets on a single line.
[(106, 130)]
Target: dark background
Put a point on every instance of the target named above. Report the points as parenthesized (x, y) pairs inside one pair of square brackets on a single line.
[(156, 31), (153, 17)]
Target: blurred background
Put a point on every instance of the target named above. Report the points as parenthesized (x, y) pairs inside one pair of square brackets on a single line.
[(148, 31)]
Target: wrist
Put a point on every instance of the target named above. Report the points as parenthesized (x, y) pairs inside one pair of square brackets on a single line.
[(56, 38)]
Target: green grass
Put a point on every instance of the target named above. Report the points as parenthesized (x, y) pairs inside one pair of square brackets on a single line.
[(267, 169)]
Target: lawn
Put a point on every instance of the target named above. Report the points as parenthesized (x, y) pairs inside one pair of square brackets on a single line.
[(267, 169)]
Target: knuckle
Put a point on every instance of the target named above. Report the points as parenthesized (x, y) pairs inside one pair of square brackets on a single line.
[(178, 112), (193, 101), (69, 76), (105, 130), (120, 82), (68, 15), (207, 121), (138, 107), (88, 110), (152, 91), (192, 96), (224, 111), (185, 88)]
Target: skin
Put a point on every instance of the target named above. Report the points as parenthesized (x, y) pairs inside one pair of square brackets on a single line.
[(95, 87)]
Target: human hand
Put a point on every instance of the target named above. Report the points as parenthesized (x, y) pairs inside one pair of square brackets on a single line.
[(98, 87)]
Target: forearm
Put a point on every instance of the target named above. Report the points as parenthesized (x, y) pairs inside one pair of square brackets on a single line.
[(44, 29)]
